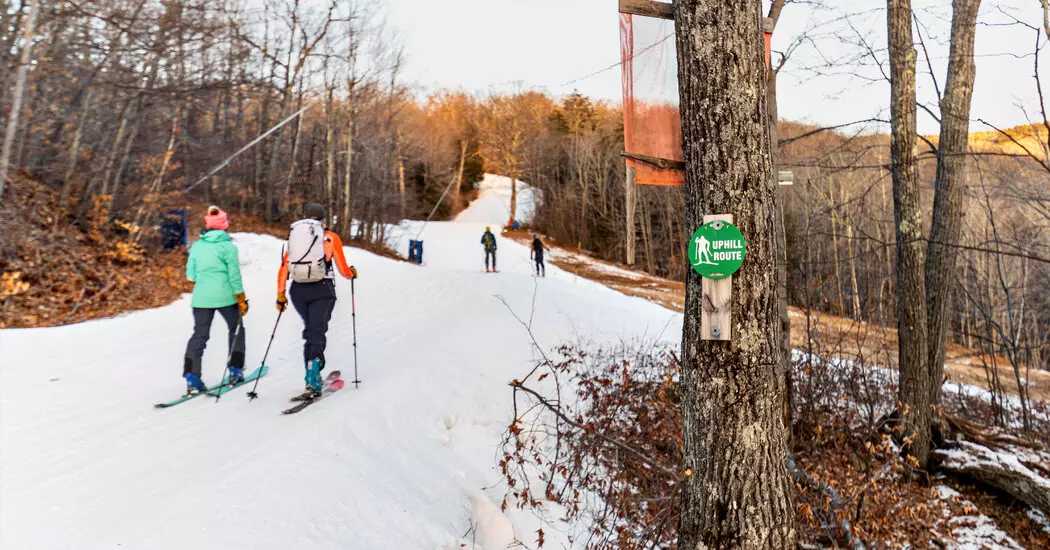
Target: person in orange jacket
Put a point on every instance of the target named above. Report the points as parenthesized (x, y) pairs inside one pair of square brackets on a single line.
[(313, 286)]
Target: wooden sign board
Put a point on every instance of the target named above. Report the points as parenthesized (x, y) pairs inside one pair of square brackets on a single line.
[(716, 315)]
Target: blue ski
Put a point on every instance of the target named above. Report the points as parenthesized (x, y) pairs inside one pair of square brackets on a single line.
[(257, 373), (220, 386)]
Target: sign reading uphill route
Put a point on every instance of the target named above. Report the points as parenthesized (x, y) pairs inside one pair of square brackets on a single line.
[(717, 250)]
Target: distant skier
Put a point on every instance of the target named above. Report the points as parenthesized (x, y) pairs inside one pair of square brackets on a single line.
[(537, 255), (310, 259), (215, 269), (488, 240)]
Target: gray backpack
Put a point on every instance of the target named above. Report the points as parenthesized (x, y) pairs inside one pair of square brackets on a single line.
[(306, 261)]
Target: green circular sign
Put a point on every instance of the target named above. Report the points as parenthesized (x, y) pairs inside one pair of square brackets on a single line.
[(717, 250)]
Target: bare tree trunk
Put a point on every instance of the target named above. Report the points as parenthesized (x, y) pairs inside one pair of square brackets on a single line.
[(74, 153), (330, 154), (647, 234), (125, 155), (459, 175), (853, 270), (142, 216), (907, 212), (399, 169), (630, 203), (513, 198), (16, 102), (951, 182), (294, 164), (734, 439), (835, 247), (88, 200), (347, 220)]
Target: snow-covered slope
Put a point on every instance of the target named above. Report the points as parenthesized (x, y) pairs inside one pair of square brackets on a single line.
[(493, 204), (404, 462)]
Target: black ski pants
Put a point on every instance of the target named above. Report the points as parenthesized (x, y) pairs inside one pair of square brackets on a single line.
[(202, 318), (490, 253), (539, 264), (314, 302)]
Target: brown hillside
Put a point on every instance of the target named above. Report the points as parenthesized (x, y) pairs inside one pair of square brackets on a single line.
[(55, 277), (52, 277), (846, 338)]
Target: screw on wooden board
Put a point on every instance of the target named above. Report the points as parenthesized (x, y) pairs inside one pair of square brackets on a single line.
[(716, 331)]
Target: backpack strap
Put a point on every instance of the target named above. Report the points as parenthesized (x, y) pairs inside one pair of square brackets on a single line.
[(308, 249)]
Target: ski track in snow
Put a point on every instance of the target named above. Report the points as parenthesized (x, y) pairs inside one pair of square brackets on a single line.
[(407, 461)]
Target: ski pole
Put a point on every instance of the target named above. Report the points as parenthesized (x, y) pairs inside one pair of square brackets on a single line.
[(353, 317), (252, 395), (233, 344)]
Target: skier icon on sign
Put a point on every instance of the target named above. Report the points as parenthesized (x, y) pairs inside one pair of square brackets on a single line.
[(703, 251)]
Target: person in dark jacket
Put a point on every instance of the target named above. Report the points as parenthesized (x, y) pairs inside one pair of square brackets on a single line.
[(537, 255), (214, 267), (488, 240)]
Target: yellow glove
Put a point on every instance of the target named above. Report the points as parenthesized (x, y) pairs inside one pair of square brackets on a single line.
[(242, 304), (282, 301), (353, 272)]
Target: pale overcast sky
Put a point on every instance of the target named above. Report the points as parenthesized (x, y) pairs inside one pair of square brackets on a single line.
[(485, 45)]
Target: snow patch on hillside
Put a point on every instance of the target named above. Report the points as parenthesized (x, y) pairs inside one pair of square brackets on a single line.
[(493, 203), (973, 530)]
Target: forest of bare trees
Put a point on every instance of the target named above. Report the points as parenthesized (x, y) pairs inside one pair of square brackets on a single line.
[(128, 104)]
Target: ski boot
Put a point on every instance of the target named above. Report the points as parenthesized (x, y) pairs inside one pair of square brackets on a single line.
[(194, 384), (236, 375), (313, 381)]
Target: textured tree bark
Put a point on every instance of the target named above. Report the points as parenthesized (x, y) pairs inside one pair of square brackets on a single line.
[(782, 259), (16, 103), (907, 213), (738, 494), (948, 206)]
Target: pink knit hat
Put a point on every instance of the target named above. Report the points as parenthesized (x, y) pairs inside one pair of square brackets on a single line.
[(216, 219)]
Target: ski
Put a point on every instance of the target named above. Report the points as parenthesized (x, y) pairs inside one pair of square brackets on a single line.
[(328, 391), (186, 398), (332, 377), (217, 389), (257, 373)]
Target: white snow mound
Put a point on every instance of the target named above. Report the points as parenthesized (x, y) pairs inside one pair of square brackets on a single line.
[(493, 203)]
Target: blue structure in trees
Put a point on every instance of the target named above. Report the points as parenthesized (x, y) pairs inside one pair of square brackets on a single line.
[(173, 229), (415, 251)]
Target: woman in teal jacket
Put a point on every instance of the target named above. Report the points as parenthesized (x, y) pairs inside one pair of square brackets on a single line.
[(215, 269)]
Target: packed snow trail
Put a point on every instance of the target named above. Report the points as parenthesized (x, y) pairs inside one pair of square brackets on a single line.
[(407, 461)]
